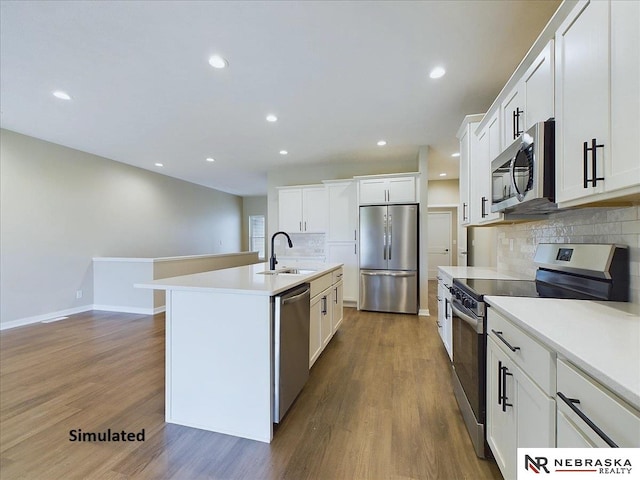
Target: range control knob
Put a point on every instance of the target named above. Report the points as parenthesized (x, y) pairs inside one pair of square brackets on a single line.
[(451, 290)]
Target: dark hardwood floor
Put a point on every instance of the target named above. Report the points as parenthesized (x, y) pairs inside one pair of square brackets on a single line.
[(378, 405)]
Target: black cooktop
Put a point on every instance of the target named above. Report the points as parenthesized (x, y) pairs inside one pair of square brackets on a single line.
[(478, 287)]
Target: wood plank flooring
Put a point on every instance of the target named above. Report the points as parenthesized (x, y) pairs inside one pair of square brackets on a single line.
[(378, 405)]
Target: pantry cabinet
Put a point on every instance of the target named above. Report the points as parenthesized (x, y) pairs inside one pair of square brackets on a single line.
[(302, 209), (468, 148), (598, 102)]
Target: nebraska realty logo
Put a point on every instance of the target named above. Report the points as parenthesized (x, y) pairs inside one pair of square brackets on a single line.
[(586, 462)]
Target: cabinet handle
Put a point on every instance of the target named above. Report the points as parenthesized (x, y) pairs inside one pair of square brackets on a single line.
[(354, 235), (571, 403), (499, 335), (336, 296), (505, 372), (438, 298), (447, 303), (354, 249), (484, 200), (300, 226), (464, 212), (499, 382), (513, 125), (439, 324), (324, 305), (305, 225), (594, 159), (518, 113)]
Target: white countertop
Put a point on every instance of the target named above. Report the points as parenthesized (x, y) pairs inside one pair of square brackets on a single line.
[(601, 338), (478, 272), (168, 259), (246, 280)]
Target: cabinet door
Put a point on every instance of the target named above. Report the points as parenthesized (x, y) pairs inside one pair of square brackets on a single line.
[(538, 88), (536, 414), (481, 169), (401, 190), (512, 115), (373, 190), (342, 212), (448, 324), (582, 100), (624, 168), (290, 210), (337, 305), (346, 254), (314, 210), (465, 151), (501, 418), (440, 319), (315, 329), (570, 436), (326, 310)]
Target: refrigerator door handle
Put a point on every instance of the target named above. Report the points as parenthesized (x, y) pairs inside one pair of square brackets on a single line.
[(388, 274), (384, 234), (390, 236)]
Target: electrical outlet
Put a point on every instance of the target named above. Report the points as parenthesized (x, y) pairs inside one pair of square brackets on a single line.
[(78, 294)]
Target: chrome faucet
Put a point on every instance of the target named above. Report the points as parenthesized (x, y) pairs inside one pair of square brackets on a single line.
[(272, 259)]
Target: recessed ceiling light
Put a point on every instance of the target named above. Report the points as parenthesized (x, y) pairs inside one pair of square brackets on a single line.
[(443, 174), (457, 154), (382, 143), (61, 95), (283, 152), (216, 61), (272, 118), (437, 72), (159, 165), (209, 159)]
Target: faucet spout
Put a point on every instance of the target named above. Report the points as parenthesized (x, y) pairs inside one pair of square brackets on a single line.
[(272, 260)]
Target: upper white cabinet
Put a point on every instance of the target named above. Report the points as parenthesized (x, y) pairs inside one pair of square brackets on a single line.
[(598, 102), (531, 100), (392, 189), (468, 149), (302, 209), (342, 211), (488, 147)]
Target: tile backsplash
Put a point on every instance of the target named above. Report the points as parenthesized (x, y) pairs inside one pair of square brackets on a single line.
[(305, 245), (620, 225)]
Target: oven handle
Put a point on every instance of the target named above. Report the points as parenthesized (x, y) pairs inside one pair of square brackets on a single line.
[(476, 324)]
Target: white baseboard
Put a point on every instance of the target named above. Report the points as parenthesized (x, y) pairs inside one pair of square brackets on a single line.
[(72, 311), (46, 316), (126, 309), (423, 312)]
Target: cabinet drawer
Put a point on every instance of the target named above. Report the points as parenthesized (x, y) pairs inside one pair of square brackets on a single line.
[(320, 284), (538, 362), (614, 417), (337, 275)]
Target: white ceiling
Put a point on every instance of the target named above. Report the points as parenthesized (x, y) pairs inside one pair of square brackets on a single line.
[(339, 75)]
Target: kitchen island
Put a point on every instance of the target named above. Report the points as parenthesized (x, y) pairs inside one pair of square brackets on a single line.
[(219, 355)]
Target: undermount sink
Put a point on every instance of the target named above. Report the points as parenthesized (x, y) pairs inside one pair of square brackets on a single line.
[(288, 271)]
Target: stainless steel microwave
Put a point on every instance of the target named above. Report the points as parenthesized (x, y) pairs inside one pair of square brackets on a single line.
[(523, 176)]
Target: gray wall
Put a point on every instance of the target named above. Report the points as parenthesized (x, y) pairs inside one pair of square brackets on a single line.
[(60, 207)]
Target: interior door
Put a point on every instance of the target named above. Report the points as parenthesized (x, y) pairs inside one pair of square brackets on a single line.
[(438, 241)]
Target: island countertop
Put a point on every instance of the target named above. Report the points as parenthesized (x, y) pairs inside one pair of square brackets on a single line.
[(245, 280)]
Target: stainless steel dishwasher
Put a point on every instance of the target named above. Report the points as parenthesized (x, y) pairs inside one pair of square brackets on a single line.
[(290, 347)]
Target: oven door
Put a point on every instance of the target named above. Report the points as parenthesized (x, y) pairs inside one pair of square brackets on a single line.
[(469, 357)]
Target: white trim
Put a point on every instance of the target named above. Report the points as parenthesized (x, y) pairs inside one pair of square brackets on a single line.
[(443, 205), (126, 309), (424, 312), (388, 175), (46, 316), (169, 259)]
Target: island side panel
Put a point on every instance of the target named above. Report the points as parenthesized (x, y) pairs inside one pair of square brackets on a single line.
[(218, 359)]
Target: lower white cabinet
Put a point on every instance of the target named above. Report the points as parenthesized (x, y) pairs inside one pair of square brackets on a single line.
[(445, 321), (346, 253), (326, 312), (520, 412), (591, 416)]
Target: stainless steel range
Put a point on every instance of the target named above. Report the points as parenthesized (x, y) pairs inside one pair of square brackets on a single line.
[(575, 271)]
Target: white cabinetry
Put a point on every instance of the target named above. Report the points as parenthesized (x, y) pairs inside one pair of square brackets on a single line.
[(598, 102), (391, 189), (302, 209), (342, 233), (468, 147), (488, 148), (445, 327), (326, 312), (583, 401), (531, 100), (520, 393)]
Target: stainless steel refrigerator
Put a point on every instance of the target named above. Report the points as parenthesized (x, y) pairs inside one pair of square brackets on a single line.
[(389, 258)]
